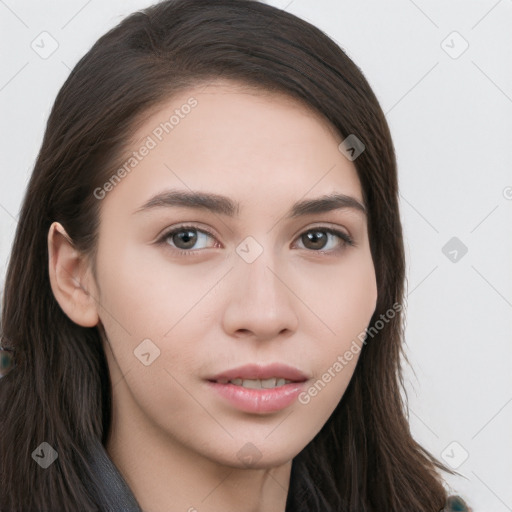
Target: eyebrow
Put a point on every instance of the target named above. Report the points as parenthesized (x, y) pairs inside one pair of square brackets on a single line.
[(225, 206)]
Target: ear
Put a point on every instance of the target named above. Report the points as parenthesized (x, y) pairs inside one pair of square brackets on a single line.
[(71, 278)]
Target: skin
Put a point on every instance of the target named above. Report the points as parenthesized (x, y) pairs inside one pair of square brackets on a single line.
[(175, 441)]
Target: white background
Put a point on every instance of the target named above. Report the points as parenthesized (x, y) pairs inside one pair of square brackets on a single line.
[(451, 121)]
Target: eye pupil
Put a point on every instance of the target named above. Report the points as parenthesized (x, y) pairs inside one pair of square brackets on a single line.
[(314, 236), (188, 236)]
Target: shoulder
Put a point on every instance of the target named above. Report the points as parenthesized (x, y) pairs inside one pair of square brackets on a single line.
[(455, 504)]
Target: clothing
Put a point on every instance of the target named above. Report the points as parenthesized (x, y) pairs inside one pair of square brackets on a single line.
[(456, 504), (116, 495)]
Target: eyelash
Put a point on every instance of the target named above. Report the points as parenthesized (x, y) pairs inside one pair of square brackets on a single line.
[(347, 239)]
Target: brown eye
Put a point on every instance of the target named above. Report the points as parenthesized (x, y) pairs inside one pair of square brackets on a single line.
[(317, 238), (184, 239), (314, 239)]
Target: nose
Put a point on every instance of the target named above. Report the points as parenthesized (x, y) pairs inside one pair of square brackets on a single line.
[(261, 303)]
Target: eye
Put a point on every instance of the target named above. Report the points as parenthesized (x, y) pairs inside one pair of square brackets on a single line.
[(316, 239), (184, 238)]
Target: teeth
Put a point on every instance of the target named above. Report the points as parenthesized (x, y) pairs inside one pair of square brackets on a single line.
[(273, 382)]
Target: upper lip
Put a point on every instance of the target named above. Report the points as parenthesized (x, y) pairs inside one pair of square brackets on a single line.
[(255, 371)]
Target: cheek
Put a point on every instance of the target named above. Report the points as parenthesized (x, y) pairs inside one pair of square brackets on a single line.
[(345, 304), (147, 298), (144, 294), (342, 296)]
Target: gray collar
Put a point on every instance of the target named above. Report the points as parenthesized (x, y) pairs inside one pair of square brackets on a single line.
[(110, 488)]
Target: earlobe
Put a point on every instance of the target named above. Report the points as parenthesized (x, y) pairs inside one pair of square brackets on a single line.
[(70, 278)]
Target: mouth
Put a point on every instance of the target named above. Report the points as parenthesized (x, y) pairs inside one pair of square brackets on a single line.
[(259, 389), (271, 383), (256, 376)]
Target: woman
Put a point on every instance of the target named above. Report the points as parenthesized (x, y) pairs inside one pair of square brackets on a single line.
[(152, 374)]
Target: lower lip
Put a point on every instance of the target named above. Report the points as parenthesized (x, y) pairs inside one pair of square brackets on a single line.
[(259, 400)]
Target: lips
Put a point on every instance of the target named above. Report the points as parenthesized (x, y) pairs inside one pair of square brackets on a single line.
[(254, 371), (258, 389)]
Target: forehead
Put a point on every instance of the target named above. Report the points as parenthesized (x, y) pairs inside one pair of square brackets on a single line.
[(225, 137)]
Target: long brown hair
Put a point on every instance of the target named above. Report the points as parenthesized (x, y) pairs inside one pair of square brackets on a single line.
[(59, 392)]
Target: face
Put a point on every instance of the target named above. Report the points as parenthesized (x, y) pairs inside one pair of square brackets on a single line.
[(188, 293)]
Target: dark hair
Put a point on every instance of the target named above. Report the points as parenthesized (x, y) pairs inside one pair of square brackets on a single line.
[(364, 458)]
